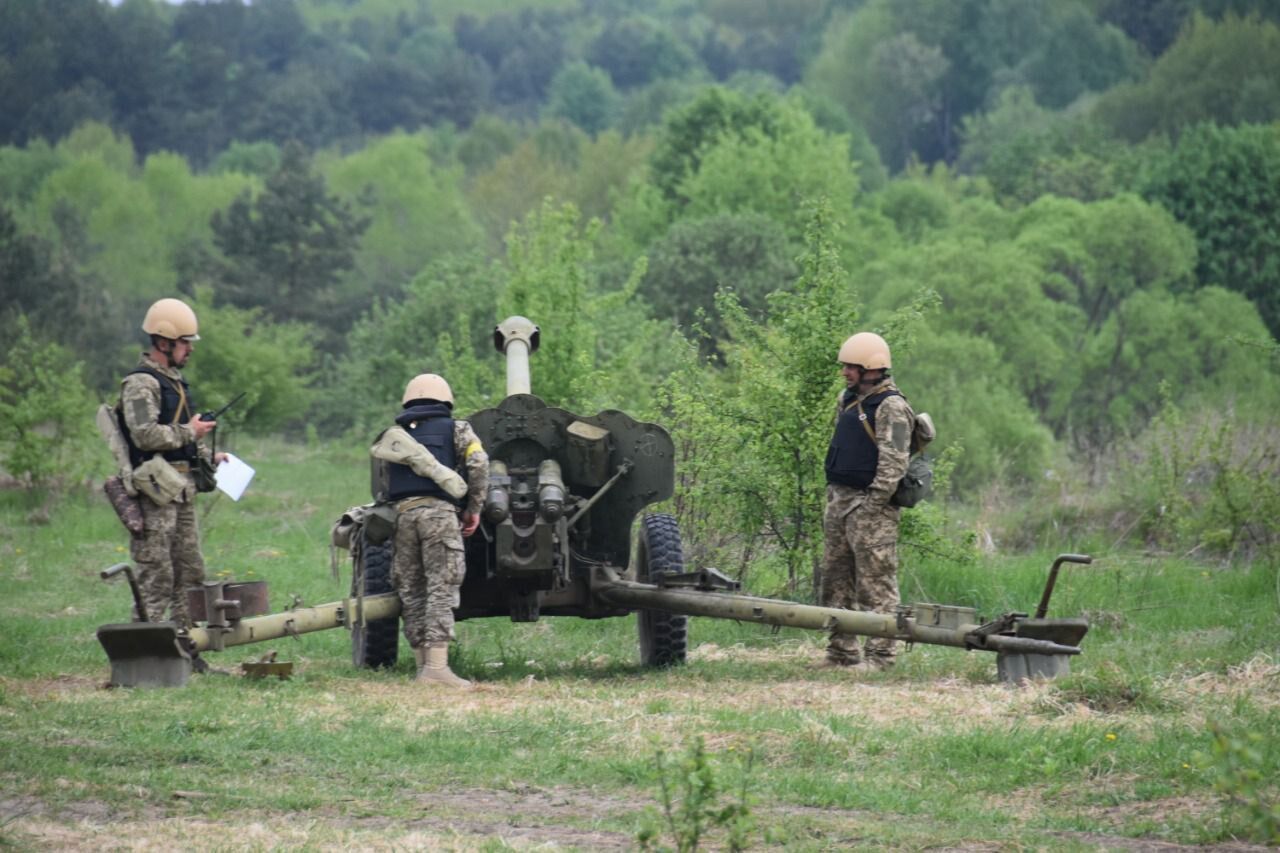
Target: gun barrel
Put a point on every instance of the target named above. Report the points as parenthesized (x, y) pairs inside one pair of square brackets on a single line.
[(517, 338), (745, 608), (303, 620)]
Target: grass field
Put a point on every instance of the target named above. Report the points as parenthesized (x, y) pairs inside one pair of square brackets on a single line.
[(1164, 735)]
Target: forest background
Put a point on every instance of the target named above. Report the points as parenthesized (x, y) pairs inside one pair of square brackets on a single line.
[(1064, 215)]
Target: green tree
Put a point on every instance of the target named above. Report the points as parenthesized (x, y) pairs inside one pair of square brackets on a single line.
[(1027, 151), (638, 50), (1183, 340), (746, 253), (417, 211), (287, 249), (442, 323), (243, 350), (991, 290), (598, 347), (695, 127), (1224, 183), (584, 96), (753, 445), (1225, 71), (774, 175), (973, 394)]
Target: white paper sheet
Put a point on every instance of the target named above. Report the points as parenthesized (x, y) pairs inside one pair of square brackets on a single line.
[(233, 477)]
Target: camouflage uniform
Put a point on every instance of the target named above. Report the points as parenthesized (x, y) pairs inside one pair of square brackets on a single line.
[(428, 565), (167, 553), (860, 559)]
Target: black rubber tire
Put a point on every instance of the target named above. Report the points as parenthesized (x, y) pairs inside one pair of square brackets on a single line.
[(664, 637), (378, 643)]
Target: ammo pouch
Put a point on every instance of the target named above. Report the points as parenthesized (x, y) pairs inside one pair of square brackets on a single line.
[(380, 523), (158, 480), (205, 474)]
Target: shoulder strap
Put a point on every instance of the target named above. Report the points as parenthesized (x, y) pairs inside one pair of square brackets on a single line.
[(862, 417)]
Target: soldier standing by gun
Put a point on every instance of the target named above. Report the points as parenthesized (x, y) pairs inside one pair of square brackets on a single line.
[(425, 449), (867, 458), (163, 434)]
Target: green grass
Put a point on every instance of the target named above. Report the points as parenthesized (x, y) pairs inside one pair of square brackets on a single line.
[(934, 752)]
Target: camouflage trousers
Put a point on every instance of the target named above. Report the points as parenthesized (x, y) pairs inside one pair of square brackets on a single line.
[(167, 555), (427, 569), (859, 567)]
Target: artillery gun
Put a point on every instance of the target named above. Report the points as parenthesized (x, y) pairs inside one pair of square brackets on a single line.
[(556, 539)]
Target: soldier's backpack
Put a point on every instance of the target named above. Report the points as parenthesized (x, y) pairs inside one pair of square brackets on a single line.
[(917, 483)]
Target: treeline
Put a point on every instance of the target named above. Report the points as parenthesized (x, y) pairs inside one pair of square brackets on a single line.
[(1065, 215)]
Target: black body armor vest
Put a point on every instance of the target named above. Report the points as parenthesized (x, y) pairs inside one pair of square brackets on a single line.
[(431, 425), (171, 404), (852, 457)]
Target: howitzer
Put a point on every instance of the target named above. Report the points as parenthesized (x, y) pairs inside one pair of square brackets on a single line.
[(559, 537)]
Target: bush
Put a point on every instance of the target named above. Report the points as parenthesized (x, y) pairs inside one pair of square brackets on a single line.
[(46, 413), (1208, 481), (241, 349)]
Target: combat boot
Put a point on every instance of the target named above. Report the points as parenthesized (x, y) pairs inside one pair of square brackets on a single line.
[(420, 656), (435, 668)]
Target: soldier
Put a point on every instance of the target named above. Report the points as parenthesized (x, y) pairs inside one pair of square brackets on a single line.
[(163, 433), (867, 457), (425, 449)]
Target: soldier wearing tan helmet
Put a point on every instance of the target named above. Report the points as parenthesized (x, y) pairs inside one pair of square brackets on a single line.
[(866, 459), (159, 423), (425, 450)]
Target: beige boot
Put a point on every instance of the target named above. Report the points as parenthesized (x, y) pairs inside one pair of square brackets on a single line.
[(435, 668), (420, 656)]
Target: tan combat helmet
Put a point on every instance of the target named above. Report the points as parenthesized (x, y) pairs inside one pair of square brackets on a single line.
[(428, 386), (172, 319), (866, 349)]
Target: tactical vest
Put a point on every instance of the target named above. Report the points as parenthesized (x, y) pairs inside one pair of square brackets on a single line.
[(172, 411), (852, 457), (431, 425)]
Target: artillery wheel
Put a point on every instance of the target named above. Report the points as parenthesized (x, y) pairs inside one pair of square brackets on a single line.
[(378, 642), (664, 637)]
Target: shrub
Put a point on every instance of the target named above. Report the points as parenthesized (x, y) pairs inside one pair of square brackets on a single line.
[(46, 413)]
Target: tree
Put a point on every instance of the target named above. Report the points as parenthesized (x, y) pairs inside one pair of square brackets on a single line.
[(286, 249), (417, 211), (747, 254), (906, 77), (638, 50), (753, 445), (1186, 341), (692, 129), (1224, 183), (1027, 151), (598, 347), (442, 323), (584, 96), (1225, 71), (273, 363), (972, 392)]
